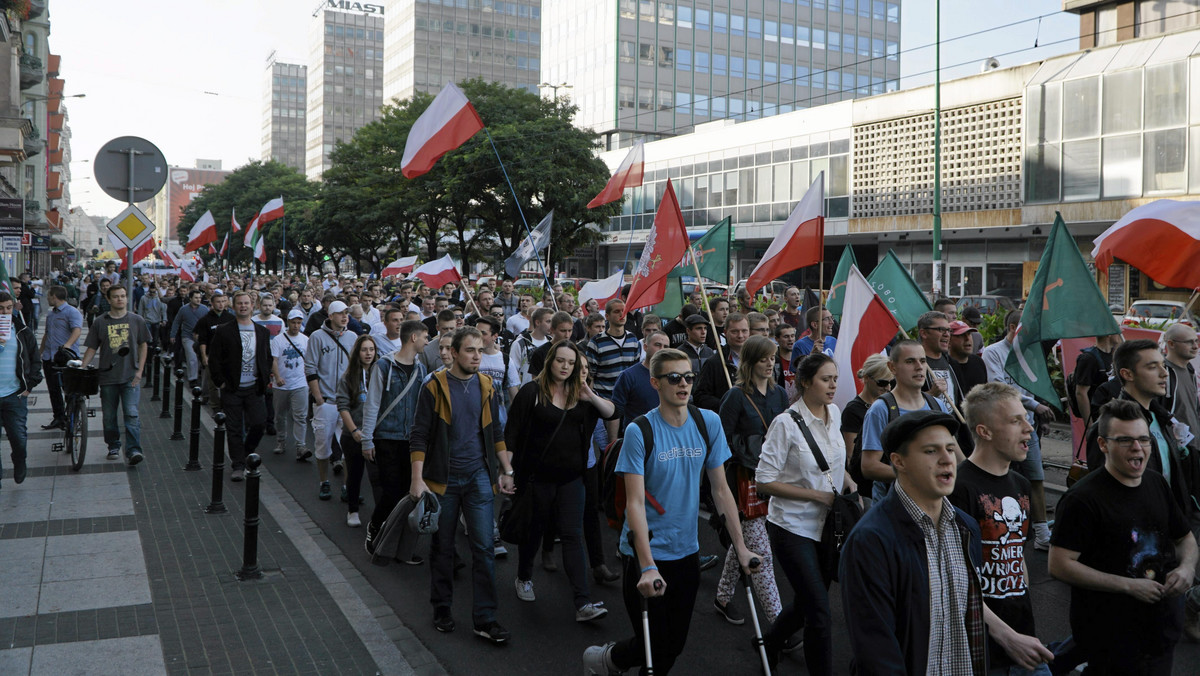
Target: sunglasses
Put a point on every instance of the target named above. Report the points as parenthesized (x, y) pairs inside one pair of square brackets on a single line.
[(676, 378), (886, 383)]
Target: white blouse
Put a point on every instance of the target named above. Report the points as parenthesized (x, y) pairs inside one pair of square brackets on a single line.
[(786, 458)]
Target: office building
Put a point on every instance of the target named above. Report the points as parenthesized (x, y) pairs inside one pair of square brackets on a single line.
[(165, 209), (345, 81), (432, 42), (647, 67), (1107, 22), (283, 130)]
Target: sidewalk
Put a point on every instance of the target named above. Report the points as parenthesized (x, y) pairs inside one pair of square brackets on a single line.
[(115, 570)]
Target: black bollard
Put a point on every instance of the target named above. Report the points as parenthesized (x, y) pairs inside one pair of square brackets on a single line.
[(250, 569), (154, 374), (149, 380), (216, 506), (177, 435), (193, 463), (166, 388)]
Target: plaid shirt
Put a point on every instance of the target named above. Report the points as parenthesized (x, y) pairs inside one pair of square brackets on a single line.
[(955, 647)]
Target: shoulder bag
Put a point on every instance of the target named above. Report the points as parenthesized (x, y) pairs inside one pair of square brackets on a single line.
[(842, 515), (516, 520)]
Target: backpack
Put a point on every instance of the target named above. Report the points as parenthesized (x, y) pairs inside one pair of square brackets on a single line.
[(893, 409), (612, 485), (1072, 403)]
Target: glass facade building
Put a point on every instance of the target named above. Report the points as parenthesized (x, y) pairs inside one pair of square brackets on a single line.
[(639, 67), (283, 127)]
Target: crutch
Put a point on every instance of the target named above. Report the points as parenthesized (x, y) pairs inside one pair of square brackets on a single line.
[(758, 635), (645, 609)]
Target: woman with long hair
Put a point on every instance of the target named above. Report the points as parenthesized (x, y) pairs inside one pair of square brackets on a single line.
[(549, 431), (746, 411), (877, 378), (801, 495), (351, 397)]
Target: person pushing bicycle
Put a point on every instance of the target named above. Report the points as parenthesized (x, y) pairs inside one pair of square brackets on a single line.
[(121, 375)]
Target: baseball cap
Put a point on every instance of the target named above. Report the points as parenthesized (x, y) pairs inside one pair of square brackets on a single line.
[(902, 429), (295, 314), (337, 306), (971, 315), (695, 319), (959, 328)]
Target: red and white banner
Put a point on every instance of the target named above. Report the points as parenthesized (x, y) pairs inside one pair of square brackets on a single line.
[(436, 274), (867, 327), (237, 227), (1162, 239), (400, 266), (144, 249), (666, 246), (445, 125), (224, 245), (602, 290), (203, 232), (628, 175), (800, 243), (271, 211)]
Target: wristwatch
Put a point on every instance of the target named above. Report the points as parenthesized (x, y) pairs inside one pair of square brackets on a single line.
[(508, 473)]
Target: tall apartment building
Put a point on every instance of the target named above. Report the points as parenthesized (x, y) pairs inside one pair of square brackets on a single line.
[(345, 81), (432, 42), (648, 67), (283, 127)]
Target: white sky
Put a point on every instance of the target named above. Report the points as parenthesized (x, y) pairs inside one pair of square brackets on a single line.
[(188, 76)]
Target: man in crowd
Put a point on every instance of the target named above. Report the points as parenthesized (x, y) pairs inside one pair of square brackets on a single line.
[(908, 578), (19, 374), (523, 347), (387, 332), (520, 321), (308, 304), (240, 366), (933, 330), (457, 450), (947, 307), (1122, 542), (493, 362), (785, 338), (291, 390), (760, 324), (560, 329), (610, 353), (316, 318), (1093, 368), (695, 344), (183, 332), (791, 308), (826, 344), (633, 394), (720, 312), (712, 384), (508, 300), (63, 327), (974, 319), (1181, 398), (966, 367), (676, 329), (218, 315), (446, 325), (120, 374), (325, 360)]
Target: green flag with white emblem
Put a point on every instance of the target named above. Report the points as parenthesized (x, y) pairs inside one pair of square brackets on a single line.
[(837, 291), (892, 283), (712, 254)]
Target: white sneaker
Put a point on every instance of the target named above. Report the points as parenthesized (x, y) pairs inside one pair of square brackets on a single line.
[(352, 520), (524, 589), (597, 661), (589, 612)]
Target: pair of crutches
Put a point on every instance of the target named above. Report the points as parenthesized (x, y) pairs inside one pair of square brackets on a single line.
[(722, 525)]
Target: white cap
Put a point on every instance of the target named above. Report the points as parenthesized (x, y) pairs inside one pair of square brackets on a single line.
[(337, 306), (295, 314)]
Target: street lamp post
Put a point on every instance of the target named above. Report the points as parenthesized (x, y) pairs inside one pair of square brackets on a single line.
[(555, 88)]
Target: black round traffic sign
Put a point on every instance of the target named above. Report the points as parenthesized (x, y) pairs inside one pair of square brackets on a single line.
[(111, 169)]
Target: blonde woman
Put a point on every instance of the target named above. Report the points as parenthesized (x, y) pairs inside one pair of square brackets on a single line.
[(876, 378)]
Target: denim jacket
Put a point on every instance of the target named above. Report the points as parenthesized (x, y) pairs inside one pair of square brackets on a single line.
[(387, 382)]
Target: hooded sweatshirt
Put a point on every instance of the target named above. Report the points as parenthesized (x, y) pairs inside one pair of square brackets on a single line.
[(326, 359)]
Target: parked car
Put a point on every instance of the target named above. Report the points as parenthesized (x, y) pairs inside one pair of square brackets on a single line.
[(1159, 313), (987, 304), (773, 290)]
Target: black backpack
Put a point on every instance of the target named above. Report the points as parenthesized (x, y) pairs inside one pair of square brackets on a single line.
[(1072, 402), (612, 486), (893, 409)]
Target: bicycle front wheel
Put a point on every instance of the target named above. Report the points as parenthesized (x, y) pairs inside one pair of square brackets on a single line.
[(78, 433)]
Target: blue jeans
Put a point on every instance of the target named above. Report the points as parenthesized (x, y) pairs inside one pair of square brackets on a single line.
[(797, 556), (126, 396), (472, 495), (1041, 670), (14, 410)]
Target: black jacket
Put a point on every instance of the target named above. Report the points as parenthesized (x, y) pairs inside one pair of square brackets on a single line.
[(711, 386), (29, 358), (225, 357)]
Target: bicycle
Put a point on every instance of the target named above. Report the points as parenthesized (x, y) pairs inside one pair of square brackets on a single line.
[(78, 384)]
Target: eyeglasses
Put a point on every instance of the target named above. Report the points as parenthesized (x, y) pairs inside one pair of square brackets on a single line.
[(1127, 442), (886, 383), (676, 378), (498, 315), (939, 329)]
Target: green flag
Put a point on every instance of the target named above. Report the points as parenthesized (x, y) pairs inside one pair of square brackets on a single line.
[(5, 283), (1064, 302), (712, 254), (837, 292), (672, 302), (898, 291)]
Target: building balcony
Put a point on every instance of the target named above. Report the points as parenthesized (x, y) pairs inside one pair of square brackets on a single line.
[(36, 8), (33, 141), (56, 121), (14, 132), (56, 158), (33, 210), (52, 63), (32, 71), (53, 141)]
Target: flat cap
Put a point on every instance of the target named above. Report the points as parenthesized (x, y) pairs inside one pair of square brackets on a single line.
[(901, 430)]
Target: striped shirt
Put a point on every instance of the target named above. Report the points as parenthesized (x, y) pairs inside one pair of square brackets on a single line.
[(608, 357)]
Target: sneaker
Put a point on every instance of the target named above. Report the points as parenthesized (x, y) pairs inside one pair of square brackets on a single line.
[(442, 620), (548, 563), (603, 574), (414, 561), (369, 543), (729, 612), (709, 561), (303, 456), (597, 661), (524, 589), (590, 611), (499, 550), (345, 493), (493, 632), (279, 450), (238, 475), (114, 454), (338, 466), (56, 424), (134, 458), (325, 493), (352, 520), (19, 471), (792, 643)]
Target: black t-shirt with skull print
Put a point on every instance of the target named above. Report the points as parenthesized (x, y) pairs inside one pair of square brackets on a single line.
[(1001, 506)]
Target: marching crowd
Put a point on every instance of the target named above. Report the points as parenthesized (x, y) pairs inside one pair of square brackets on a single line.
[(542, 423)]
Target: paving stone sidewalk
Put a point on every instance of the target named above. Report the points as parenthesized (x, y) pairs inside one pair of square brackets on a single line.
[(116, 570)]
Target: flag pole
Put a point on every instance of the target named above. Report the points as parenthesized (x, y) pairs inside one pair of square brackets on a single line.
[(470, 298), (708, 311), (517, 202)]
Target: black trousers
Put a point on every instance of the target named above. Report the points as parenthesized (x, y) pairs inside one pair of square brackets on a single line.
[(670, 614), (54, 385), (390, 476), (354, 469), (591, 516), (245, 421)]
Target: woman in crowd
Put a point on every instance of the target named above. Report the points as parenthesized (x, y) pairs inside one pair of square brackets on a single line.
[(877, 378), (746, 411), (351, 396), (549, 430), (801, 495)]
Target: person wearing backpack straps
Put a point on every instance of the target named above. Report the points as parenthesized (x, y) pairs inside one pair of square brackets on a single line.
[(325, 361), (907, 363), (1092, 369), (746, 411), (663, 565), (877, 378)]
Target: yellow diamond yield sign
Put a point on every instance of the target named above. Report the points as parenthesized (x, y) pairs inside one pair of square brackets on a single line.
[(131, 227)]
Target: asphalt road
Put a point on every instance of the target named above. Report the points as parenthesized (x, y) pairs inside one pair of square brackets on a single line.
[(546, 639)]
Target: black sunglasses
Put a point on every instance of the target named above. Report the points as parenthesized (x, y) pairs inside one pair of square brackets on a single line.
[(886, 383), (676, 378)]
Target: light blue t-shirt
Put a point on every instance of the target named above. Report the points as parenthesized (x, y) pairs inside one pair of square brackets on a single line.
[(872, 435), (1164, 452), (9, 383), (673, 478)]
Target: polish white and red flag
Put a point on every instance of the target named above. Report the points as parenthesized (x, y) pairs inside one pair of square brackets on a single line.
[(628, 175), (400, 266), (665, 247), (867, 327), (271, 211), (144, 249), (800, 243), (203, 232), (224, 245), (187, 271), (1162, 239), (436, 274), (445, 125), (168, 257), (602, 290), (237, 227)]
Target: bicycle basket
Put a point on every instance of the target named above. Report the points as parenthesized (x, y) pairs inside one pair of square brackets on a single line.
[(81, 381)]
